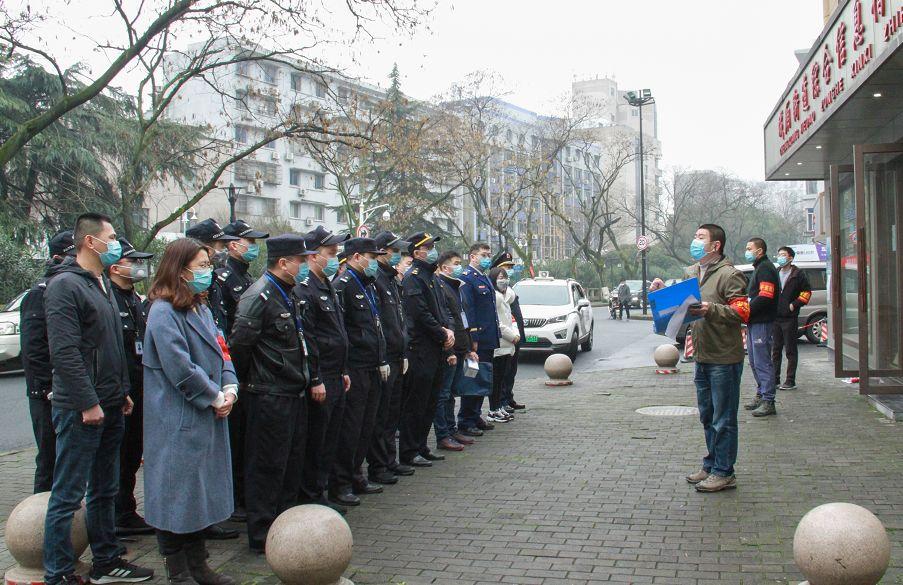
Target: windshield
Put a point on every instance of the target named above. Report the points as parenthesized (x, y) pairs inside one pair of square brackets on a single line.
[(543, 294), (635, 285), (15, 303)]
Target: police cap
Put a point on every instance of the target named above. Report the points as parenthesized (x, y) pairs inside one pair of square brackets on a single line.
[(287, 245), (241, 229), (209, 231), (420, 239)]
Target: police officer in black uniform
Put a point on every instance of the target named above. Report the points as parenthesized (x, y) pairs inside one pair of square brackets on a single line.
[(428, 349), (269, 352), (367, 366), (234, 280), (133, 266), (383, 466), (36, 361), (327, 344), (209, 233)]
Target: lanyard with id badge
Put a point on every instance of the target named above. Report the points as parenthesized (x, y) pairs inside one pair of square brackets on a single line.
[(374, 311), (290, 305)]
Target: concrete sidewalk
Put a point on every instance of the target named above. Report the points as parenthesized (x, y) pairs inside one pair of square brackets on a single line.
[(582, 489)]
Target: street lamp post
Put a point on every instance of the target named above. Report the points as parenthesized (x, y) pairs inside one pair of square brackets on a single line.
[(638, 99), (232, 193), (364, 215)]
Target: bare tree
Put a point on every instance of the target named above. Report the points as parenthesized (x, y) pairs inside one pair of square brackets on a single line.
[(145, 30)]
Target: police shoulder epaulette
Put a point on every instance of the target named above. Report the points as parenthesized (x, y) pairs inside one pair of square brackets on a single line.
[(42, 285), (344, 278), (415, 270), (223, 275), (264, 296)]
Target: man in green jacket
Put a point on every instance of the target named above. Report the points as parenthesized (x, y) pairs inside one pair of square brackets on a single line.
[(719, 356)]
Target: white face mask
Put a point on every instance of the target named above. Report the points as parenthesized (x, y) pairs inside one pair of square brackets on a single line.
[(502, 284)]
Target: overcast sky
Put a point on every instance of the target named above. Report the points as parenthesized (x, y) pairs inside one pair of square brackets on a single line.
[(715, 67)]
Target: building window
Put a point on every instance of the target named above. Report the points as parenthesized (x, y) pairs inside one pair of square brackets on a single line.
[(294, 209), (241, 135), (319, 212), (297, 81), (319, 181), (270, 72), (343, 94), (810, 220), (294, 178), (268, 107), (252, 205), (243, 68), (271, 145), (611, 90), (320, 89), (340, 216)]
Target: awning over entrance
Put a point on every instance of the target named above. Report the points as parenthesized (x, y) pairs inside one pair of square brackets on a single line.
[(850, 91)]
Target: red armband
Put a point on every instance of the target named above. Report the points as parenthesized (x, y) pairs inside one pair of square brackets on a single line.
[(224, 348), (741, 306), (804, 297), (766, 289)]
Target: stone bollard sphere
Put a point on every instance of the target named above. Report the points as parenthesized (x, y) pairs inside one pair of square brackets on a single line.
[(558, 368), (841, 544), (309, 545), (25, 531), (666, 355)]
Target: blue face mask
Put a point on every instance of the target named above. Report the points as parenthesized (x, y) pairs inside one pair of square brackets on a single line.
[(252, 252), (113, 253), (782, 261), (332, 266), (697, 250), (750, 256), (303, 273), (200, 280), (485, 263), (371, 269), (457, 271), (432, 256), (395, 259)]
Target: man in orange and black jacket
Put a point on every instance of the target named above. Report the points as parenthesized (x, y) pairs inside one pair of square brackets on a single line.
[(795, 292), (763, 291)]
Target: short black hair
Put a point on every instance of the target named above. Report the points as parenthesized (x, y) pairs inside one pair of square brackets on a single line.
[(477, 247), (716, 234), (446, 256), (787, 249), (88, 224), (759, 243)]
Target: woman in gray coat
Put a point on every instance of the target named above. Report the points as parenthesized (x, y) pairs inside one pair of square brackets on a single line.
[(189, 389)]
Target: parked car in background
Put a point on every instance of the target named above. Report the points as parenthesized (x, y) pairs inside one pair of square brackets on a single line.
[(10, 346), (558, 317), (636, 292)]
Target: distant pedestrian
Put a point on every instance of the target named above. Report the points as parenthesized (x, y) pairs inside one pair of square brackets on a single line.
[(795, 294), (764, 287), (719, 356), (189, 390), (624, 296)]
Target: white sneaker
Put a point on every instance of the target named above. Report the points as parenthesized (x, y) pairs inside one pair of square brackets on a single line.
[(493, 416)]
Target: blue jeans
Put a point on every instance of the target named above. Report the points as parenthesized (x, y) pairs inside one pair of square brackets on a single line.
[(759, 341), (444, 421), (718, 398), (469, 413), (87, 461)]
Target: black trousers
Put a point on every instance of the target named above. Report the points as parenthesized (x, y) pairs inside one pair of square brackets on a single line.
[(274, 459), (324, 426), (130, 453), (422, 386), (45, 438), (381, 455), (170, 543), (510, 375), (361, 405), (784, 338), (499, 374), (624, 307), (237, 431)]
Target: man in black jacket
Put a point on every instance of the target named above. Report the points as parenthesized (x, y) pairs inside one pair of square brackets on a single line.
[(269, 352), (430, 344), (795, 293), (35, 359), (763, 290), (327, 346), (132, 267), (90, 397), (382, 465), (368, 368)]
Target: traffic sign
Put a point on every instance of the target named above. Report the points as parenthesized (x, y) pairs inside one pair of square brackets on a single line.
[(363, 231), (642, 242)]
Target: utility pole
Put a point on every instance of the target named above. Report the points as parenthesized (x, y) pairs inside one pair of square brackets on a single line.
[(638, 100)]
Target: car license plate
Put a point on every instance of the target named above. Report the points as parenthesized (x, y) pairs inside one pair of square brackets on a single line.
[(532, 339)]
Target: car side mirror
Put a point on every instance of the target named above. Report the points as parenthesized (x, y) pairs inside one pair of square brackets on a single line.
[(583, 303)]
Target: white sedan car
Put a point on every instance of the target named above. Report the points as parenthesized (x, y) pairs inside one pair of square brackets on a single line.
[(9, 335), (558, 317)]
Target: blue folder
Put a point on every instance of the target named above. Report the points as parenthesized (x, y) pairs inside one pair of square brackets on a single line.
[(666, 303)]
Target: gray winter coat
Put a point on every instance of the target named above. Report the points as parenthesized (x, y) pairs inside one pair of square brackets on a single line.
[(187, 461)]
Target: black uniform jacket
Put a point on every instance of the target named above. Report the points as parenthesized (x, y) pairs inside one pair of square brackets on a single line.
[(454, 303), (393, 312), (233, 280), (266, 345), (324, 328), (425, 319), (35, 352), (363, 315), (134, 320)]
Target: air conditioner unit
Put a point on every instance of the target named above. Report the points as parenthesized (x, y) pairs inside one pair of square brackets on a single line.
[(309, 221), (289, 156), (275, 155), (301, 193)]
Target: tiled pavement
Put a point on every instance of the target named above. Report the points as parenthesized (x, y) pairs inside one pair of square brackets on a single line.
[(581, 489)]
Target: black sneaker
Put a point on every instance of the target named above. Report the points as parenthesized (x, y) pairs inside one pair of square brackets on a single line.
[(787, 386), (121, 571), (132, 525), (516, 405)]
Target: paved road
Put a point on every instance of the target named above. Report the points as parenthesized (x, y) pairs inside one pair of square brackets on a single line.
[(15, 425)]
